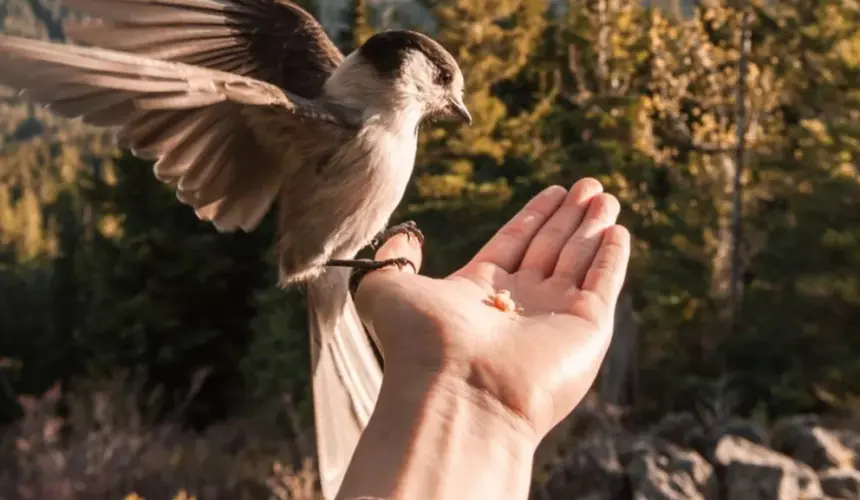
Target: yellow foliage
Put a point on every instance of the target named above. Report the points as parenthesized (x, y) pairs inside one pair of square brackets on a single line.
[(817, 129), (490, 50)]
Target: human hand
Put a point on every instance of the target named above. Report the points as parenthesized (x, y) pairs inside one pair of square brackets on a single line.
[(469, 390), (563, 260)]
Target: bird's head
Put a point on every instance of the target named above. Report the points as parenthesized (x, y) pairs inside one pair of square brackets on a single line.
[(403, 71)]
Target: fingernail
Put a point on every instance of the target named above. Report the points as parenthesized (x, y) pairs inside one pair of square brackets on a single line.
[(550, 190), (587, 188)]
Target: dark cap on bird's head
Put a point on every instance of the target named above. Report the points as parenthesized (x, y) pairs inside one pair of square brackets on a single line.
[(390, 53)]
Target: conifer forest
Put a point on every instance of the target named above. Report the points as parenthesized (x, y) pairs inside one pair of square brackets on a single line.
[(145, 355)]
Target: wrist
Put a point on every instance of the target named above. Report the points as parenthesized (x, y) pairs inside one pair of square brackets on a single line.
[(440, 438)]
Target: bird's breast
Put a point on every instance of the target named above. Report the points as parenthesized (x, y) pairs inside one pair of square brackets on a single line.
[(392, 159), (394, 154), (379, 175)]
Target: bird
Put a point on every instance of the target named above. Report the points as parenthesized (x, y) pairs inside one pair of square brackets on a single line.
[(247, 107)]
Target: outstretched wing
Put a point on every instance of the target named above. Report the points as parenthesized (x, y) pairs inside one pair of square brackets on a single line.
[(275, 41), (199, 124)]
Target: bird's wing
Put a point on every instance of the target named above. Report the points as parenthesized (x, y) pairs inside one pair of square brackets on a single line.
[(197, 123), (271, 40)]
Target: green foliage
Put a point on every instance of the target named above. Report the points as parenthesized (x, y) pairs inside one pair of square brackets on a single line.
[(474, 176), (278, 359), (651, 107), (170, 293), (26, 333)]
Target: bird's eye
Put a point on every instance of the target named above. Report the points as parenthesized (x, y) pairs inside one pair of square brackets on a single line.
[(445, 77)]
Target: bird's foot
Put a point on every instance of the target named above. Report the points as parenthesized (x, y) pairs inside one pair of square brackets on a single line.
[(409, 228), (360, 268)]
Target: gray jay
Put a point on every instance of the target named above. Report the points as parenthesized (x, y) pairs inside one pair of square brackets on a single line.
[(245, 103)]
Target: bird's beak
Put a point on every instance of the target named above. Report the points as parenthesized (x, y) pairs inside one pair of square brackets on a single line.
[(458, 108)]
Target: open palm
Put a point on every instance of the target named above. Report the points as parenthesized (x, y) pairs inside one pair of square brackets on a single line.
[(563, 260)]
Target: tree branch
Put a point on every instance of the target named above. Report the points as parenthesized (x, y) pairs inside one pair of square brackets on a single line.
[(740, 156)]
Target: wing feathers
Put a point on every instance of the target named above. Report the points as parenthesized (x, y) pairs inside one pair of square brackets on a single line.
[(192, 53), (68, 91), (229, 61), (273, 41), (190, 13), (139, 39), (94, 6), (204, 166), (191, 120), (65, 57), (47, 71), (193, 142), (73, 106), (110, 115), (147, 132), (178, 100)]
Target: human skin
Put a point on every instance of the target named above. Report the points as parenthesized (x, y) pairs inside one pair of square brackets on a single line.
[(470, 390)]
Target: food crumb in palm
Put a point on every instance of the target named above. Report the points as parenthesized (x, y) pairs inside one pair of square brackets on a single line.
[(503, 301)]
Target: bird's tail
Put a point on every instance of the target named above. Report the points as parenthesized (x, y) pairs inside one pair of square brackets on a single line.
[(345, 372)]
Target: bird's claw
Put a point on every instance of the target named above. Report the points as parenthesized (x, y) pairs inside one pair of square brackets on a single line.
[(358, 273), (361, 267), (409, 228)]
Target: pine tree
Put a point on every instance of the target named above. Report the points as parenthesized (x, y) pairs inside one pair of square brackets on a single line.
[(651, 107), (493, 43), (170, 294), (804, 292), (469, 173)]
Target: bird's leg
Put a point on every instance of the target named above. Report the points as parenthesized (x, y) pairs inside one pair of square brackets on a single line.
[(409, 228), (360, 267)]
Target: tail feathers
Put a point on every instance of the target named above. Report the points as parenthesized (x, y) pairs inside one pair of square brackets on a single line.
[(346, 375)]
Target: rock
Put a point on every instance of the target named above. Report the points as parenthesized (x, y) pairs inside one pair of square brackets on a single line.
[(746, 430), (682, 429), (589, 471), (803, 439), (749, 472), (591, 422), (750, 430), (735, 459), (659, 470), (841, 483), (850, 440)]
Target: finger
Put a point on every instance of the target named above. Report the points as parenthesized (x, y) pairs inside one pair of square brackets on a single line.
[(578, 253), (544, 250), (507, 247), (401, 245), (607, 272)]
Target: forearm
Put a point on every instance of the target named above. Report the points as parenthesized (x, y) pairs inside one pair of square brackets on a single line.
[(439, 441)]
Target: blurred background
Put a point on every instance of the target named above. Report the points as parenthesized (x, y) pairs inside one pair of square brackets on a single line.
[(141, 352)]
